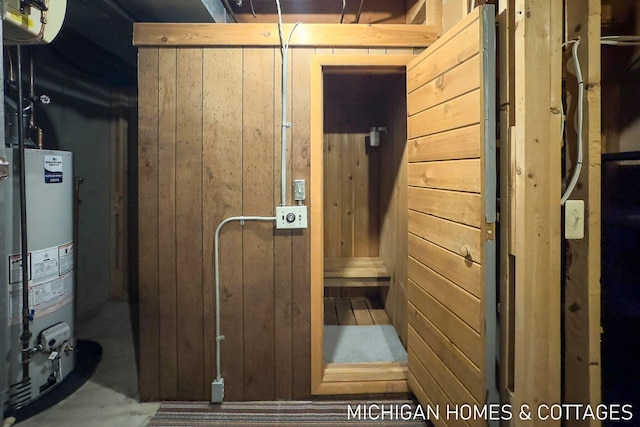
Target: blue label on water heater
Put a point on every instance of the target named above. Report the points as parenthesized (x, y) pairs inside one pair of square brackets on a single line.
[(52, 169)]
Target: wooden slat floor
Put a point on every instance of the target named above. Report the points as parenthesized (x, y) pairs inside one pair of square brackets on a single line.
[(354, 311)]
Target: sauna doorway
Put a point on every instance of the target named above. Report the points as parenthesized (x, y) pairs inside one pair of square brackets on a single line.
[(446, 231), (360, 297)]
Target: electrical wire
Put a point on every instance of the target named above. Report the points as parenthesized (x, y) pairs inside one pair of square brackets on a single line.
[(35, 38), (344, 5), (359, 12), (285, 124), (580, 108), (216, 245), (605, 40), (620, 40), (253, 10)]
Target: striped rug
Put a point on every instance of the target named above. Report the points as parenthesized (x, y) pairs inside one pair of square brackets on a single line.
[(281, 413)]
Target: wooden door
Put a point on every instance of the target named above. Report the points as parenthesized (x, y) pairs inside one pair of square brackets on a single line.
[(451, 214)]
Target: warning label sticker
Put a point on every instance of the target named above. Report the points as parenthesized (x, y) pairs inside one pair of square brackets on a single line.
[(50, 281), (52, 169)]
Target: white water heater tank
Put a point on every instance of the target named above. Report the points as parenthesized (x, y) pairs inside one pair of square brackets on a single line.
[(22, 24), (49, 202)]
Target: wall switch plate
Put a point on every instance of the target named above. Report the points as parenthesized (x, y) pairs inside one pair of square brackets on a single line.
[(574, 219), (291, 217), (299, 191)]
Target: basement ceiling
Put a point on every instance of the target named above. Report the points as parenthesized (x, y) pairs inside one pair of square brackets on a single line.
[(96, 36)]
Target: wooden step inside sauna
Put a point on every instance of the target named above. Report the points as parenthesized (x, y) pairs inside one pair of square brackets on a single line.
[(355, 272)]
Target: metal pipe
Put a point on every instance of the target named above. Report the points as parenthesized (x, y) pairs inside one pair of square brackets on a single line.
[(40, 138), (230, 11), (76, 236), (26, 333), (219, 336)]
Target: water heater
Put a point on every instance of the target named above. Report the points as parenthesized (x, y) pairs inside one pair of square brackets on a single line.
[(49, 196), (32, 21)]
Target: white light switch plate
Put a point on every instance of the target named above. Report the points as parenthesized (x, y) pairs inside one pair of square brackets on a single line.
[(291, 217), (574, 219)]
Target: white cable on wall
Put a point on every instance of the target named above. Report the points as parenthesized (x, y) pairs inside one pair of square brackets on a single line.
[(580, 108), (216, 256), (285, 124), (605, 40), (620, 40)]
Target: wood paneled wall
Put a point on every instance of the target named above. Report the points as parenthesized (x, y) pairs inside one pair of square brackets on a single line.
[(393, 203), (209, 148), (351, 181)]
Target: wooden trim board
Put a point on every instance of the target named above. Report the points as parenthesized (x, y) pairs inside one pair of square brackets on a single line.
[(318, 35)]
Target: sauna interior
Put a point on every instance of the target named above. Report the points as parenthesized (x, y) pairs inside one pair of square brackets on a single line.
[(364, 181)]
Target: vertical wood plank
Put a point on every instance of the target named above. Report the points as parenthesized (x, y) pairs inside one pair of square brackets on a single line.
[(373, 174), (538, 40), (332, 194), (282, 244), (361, 195), (345, 190), (393, 205), (505, 17), (301, 275), (189, 224), (582, 367), (222, 198), (167, 223), (258, 253), (148, 224)]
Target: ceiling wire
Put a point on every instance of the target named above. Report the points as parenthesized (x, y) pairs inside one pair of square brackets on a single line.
[(344, 5), (359, 12)]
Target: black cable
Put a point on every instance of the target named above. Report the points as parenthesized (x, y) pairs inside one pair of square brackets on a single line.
[(26, 334)]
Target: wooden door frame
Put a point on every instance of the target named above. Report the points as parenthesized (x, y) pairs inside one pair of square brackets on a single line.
[(338, 378)]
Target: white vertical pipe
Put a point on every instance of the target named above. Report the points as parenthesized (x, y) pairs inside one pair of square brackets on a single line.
[(285, 124), (283, 132), (219, 336)]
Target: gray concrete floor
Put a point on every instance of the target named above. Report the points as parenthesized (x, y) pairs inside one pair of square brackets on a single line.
[(110, 397)]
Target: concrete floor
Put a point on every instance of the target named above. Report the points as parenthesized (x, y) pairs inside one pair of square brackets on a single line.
[(110, 397)]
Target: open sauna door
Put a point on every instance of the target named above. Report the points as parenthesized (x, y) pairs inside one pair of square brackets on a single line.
[(451, 200)]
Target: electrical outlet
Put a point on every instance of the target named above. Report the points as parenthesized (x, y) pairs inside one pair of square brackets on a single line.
[(574, 219), (291, 217)]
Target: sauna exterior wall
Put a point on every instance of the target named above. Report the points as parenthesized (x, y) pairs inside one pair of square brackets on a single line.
[(209, 148)]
